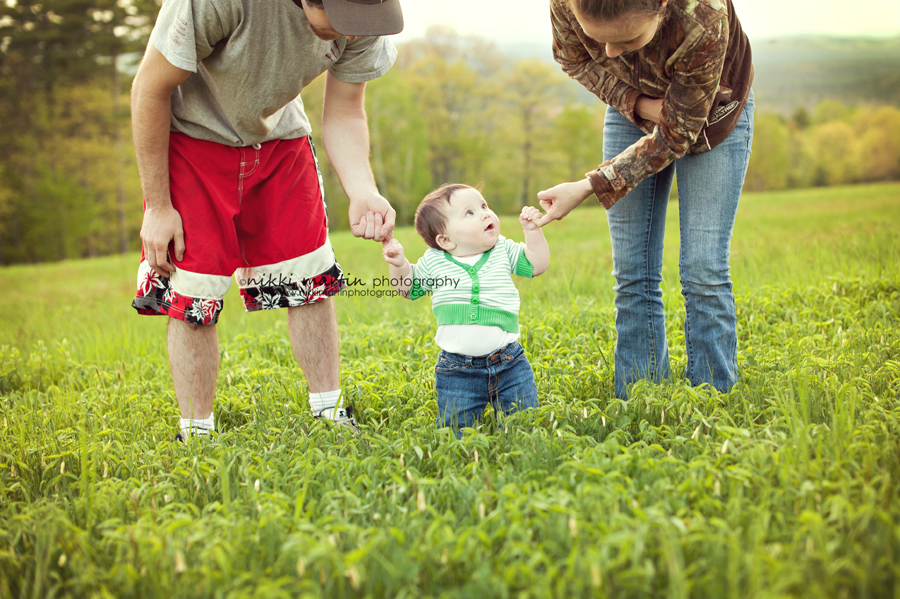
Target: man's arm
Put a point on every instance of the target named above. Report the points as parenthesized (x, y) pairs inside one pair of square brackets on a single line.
[(345, 132), (151, 115)]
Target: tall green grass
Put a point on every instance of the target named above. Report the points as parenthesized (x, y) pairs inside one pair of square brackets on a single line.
[(789, 486)]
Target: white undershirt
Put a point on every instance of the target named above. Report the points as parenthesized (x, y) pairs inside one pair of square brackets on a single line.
[(472, 339)]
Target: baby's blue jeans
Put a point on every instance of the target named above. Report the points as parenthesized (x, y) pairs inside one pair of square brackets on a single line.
[(465, 385)]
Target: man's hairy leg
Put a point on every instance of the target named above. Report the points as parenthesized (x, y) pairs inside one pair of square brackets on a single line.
[(194, 360), (314, 337)]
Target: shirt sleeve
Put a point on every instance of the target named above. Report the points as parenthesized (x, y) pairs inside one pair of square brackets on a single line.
[(686, 105), (577, 63), (186, 32), (518, 261), (422, 278), (364, 59)]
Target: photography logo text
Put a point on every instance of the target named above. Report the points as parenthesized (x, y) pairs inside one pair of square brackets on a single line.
[(386, 286)]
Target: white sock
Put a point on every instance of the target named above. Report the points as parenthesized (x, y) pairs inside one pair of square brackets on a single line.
[(325, 404), (198, 426)]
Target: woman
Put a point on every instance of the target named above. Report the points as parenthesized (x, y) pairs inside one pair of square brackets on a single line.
[(676, 76)]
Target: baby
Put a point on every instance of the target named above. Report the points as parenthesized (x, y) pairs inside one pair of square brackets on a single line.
[(468, 272)]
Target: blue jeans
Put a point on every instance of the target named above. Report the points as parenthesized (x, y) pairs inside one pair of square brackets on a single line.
[(465, 385), (709, 187)]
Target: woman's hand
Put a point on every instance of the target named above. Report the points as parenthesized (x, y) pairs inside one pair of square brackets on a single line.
[(558, 201), (648, 108)]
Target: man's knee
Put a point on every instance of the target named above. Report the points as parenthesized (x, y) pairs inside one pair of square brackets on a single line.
[(190, 327), (322, 311)]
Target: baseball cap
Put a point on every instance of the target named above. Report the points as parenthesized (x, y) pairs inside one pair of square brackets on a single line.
[(364, 17)]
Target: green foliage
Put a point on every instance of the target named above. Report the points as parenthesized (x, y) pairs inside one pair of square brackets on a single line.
[(785, 487), (453, 108), (837, 145), (69, 183), (769, 165), (579, 138)]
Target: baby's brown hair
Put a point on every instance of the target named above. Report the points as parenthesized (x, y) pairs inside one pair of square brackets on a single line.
[(430, 219)]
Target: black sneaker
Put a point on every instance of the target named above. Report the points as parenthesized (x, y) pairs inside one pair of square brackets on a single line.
[(341, 416)]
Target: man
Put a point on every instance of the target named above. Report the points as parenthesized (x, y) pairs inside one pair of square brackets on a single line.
[(230, 180)]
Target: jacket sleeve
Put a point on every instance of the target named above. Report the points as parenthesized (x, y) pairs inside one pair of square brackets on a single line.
[(577, 63), (697, 69)]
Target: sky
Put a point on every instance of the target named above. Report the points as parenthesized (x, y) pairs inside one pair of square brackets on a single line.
[(528, 22)]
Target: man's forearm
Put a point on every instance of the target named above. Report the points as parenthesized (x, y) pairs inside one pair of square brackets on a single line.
[(345, 132), (346, 139), (150, 121)]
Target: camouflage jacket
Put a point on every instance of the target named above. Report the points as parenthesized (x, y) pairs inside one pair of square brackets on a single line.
[(699, 63)]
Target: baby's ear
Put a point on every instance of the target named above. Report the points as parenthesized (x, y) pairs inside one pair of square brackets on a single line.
[(444, 242)]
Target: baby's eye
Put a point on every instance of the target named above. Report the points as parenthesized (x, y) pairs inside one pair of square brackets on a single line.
[(484, 206), (469, 213)]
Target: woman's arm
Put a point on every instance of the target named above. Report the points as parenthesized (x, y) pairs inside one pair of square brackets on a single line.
[(576, 62), (682, 116), (649, 109)]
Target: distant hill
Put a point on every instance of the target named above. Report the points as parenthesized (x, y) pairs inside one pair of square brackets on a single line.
[(803, 71)]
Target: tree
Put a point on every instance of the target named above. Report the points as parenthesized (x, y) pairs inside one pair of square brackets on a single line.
[(836, 165), (578, 138), (399, 140), (537, 92), (768, 169), (878, 143), (48, 49)]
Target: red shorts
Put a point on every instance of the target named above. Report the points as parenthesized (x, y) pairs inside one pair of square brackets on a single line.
[(257, 213)]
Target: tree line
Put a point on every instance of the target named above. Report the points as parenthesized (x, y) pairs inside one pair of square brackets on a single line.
[(453, 108), (833, 145)]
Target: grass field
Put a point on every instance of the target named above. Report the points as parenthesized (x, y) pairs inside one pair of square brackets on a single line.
[(789, 486)]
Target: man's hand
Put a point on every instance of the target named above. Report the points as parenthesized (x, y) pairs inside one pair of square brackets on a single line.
[(393, 253), (530, 218), (372, 218), (160, 226), (558, 201)]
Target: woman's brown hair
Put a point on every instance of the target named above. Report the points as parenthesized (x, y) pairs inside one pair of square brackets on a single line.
[(610, 10)]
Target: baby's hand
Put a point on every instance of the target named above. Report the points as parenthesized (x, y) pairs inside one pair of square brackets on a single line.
[(393, 252), (529, 218)]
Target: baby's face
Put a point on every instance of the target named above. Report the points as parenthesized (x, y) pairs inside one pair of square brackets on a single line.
[(472, 228)]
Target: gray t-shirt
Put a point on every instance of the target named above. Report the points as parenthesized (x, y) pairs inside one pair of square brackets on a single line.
[(250, 59)]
